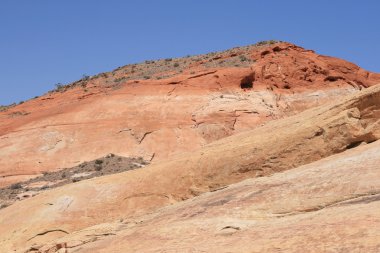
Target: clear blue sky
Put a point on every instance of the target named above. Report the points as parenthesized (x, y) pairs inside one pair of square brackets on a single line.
[(44, 42)]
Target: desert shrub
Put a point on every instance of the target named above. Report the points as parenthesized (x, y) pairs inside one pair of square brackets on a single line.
[(4, 205), (119, 79), (98, 161), (59, 86), (266, 42), (16, 186), (176, 65), (6, 107), (86, 77), (243, 58)]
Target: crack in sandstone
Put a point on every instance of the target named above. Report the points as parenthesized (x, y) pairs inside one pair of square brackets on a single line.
[(146, 195), (48, 231), (172, 90), (104, 234), (358, 199), (202, 74), (64, 245), (191, 77), (136, 135), (145, 135)]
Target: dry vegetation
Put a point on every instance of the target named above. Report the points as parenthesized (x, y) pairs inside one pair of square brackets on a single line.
[(109, 164), (6, 107), (165, 68)]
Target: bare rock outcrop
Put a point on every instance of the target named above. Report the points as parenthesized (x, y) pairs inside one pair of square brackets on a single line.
[(287, 66), (210, 98), (331, 205), (277, 146)]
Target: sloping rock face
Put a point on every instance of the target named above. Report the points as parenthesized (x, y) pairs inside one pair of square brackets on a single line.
[(277, 146), (209, 99), (332, 205), (287, 66)]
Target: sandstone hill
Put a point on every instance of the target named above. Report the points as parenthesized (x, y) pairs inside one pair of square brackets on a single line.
[(185, 104), (264, 148)]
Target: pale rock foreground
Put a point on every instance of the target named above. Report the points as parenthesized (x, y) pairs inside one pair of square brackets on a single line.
[(332, 205), (277, 146)]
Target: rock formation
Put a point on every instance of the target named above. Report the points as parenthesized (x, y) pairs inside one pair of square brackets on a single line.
[(265, 148), (331, 205), (209, 99), (277, 146)]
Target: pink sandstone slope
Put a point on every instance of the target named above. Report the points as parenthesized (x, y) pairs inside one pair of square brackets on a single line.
[(277, 146), (170, 114), (331, 205)]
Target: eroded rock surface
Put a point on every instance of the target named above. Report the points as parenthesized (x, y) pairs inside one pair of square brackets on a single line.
[(331, 205), (277, 146), (210, 98)]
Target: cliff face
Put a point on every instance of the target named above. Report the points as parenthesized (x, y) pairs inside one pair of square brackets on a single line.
[(185, 104)]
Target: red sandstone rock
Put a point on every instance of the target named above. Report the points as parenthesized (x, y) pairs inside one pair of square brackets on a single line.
[(160, 118)]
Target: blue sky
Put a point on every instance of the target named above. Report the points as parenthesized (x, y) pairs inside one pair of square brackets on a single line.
[(44, 42)]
